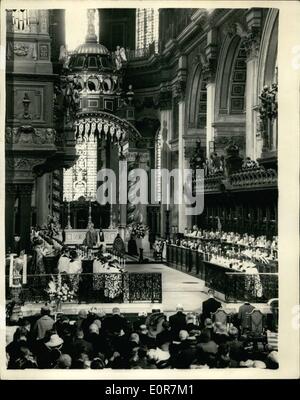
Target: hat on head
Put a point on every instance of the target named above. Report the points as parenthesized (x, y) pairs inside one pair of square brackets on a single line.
[(82, 314), (183, 334), (143, 328), (248, 363), (98, 323), (116, 310), (179, 307), (142, 314), (101, 313), (259, 364), (134, 337), (54, 341), (93, 328), (208, 323)]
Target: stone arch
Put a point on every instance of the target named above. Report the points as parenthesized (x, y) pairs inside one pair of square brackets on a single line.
[(197, 99), (224, 75), (268, 51), (266, 72)]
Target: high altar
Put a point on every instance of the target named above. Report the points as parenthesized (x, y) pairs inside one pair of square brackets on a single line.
[(77, 236)]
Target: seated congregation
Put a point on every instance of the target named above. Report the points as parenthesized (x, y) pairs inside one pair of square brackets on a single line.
[(96, 340)]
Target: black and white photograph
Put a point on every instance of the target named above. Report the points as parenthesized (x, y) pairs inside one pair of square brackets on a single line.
[(146, 227)]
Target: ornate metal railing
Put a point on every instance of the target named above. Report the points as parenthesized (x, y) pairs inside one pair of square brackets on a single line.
[(212, 183), (143, 52), (242, 179), (256, 288), (254, 177), (93, 287)]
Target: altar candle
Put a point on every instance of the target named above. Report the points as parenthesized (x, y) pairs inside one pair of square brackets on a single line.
[(24, 269), (11, 269)]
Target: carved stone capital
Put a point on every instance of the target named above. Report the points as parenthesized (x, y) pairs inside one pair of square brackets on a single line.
[(22, 164), (179, 89), (251, 42)]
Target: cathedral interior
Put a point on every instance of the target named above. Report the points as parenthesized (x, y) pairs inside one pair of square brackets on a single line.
[(155, 90), (158, 88)]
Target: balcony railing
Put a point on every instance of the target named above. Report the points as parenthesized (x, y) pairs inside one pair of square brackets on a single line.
[(93, 287), (248, 178), (255, 177), (143, 52)]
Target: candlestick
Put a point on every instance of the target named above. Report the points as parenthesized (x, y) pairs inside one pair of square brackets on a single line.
[(90, 209), (69, 216)]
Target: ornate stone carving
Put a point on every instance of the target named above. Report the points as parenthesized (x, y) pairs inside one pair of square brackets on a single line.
[(208, 63), (26, 102), (20, 49), (24, 164), (268, 111), (28, 135), (224, 141), (251, 42), (44, 136), (179, 89)]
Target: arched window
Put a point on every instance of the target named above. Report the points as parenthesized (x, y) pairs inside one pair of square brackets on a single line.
[(146, 27), (81, 179)]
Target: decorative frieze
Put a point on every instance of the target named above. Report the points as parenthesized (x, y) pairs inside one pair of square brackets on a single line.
[(29, 135)]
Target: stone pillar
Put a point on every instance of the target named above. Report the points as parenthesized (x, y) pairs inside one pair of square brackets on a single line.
[(182, 164), (166, 130), (210, 114), (25, 191), (252, 44), (10, 197), (209, 66), (251, 94), (42, 199)]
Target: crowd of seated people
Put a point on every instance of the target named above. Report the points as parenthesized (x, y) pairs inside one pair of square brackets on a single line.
[(94, 340)]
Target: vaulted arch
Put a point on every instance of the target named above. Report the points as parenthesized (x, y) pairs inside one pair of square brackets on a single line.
[(231, 77), (197, 99), (267, 61)]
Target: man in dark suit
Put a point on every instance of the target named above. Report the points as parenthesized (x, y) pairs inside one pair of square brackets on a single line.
[(209, 306), (177, 321), (243, 319)]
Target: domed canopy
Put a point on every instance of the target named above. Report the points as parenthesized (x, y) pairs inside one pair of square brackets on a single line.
[(91, 48), (90, 56)]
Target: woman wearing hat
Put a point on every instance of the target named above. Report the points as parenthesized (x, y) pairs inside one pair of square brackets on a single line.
[(49, 351)]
